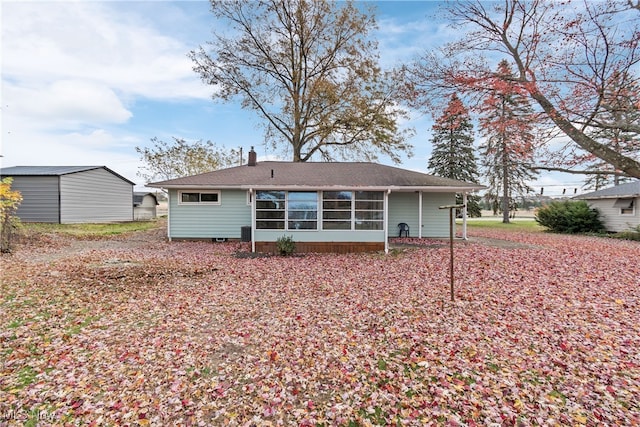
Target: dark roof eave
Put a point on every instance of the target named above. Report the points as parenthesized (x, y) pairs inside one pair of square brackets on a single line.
[(392, 188), (616, 196)]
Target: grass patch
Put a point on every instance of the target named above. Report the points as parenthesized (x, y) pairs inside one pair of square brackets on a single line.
[(517, 225), (91, 230)]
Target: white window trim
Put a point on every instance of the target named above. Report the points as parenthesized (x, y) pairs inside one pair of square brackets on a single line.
[(180, 202)]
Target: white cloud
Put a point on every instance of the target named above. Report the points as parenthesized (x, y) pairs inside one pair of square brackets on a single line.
[(63, 103), (90, 41)]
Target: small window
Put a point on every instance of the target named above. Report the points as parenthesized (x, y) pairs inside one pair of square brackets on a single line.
[(207, 198), (625, 205)]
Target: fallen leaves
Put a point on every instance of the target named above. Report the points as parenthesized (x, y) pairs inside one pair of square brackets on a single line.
[(544, 332)]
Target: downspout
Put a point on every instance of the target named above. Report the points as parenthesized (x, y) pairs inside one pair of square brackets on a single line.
[(168, 214), (464, 216), (420, 214), (386, 221), (253, 220)]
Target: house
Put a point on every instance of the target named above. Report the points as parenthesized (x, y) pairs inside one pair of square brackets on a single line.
[(144, 206), (71, 194), (323, 207), (619, 206)]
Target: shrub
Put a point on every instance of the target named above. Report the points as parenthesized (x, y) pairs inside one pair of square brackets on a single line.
[(286, 245), (570, 217)]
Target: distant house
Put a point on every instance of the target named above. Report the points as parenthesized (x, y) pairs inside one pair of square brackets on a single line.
[(71, 194), (619, 206), (324, 207), (144, 206)]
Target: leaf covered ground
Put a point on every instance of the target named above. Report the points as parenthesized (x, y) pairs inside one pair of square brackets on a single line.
[(545, 330)]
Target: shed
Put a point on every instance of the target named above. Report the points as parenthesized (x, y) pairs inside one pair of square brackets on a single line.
[(619, 206), (71, 194), (144, 206)]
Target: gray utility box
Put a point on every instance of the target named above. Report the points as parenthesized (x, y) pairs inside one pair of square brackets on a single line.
[(245, 233)]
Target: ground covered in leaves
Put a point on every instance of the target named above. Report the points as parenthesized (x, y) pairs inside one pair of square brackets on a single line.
[(137, 331)]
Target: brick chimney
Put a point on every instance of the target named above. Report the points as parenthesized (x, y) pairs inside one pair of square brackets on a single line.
[(253, 159)]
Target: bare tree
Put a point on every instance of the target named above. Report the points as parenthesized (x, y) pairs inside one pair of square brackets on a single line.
[(564, 53), (182, 158), (308, 68)]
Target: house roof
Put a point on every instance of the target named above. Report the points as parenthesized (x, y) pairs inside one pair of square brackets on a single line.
[(317, 175), (53, 171), (630, 189)]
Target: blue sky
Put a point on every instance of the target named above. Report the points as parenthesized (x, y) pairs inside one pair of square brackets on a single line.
[(84, 83)]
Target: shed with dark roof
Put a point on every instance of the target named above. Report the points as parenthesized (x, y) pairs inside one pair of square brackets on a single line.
[(71, 194), (323, 206)]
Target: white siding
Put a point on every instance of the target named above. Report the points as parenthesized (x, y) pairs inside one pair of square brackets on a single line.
[(40, 201), (611, 217), (95, 196)]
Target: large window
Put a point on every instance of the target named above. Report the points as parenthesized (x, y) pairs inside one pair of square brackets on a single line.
[(340, 210), (336, 210), (270, 210), (302, 211), (347, 210), (195, 197), (369, 210)]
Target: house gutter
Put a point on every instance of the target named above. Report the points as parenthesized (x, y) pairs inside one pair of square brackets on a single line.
[(253, 220)]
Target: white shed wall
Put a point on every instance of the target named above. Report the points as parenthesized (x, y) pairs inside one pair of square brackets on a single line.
[(611, 216), (96, 195)]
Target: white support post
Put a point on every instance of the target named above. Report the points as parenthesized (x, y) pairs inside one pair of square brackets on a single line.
[(420, 214)]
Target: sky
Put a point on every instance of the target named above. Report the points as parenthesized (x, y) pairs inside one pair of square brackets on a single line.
[(85, 82)]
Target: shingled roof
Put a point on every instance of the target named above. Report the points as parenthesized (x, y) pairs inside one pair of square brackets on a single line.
[(318, 175), (630, 189), (53, 171)]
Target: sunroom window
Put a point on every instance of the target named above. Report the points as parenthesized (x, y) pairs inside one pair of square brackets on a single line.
[(369, 210), (270, 210), (302, 210)]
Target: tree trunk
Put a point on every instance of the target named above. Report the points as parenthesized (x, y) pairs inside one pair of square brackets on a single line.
[(619, 161)]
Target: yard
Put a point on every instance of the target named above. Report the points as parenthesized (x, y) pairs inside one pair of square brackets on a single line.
[(130, 329)]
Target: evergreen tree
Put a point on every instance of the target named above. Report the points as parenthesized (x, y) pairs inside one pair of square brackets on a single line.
[(453, 154), (507, 123)]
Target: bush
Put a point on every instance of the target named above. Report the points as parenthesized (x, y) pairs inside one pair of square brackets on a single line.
[(286, 245), (570, 217)]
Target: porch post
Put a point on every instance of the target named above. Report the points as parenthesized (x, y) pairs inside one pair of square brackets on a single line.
[(420, 214), (252, 194), (386, 221)]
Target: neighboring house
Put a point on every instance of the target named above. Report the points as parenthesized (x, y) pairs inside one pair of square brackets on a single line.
[(324, 207), (144, 206), (619, 206), (71, 194)]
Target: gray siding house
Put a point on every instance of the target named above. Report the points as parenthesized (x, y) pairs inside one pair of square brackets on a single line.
[(71, 194), (323, 207), (619, 206)]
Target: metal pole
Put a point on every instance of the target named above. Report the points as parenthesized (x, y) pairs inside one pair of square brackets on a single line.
[(451, 209), (451, 251)]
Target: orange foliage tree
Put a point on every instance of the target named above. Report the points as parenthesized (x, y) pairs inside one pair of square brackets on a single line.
[(9, 202), (565, 55)]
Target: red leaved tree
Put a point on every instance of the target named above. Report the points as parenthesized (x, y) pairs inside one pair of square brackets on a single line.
[(565, 55), (506, 121)]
